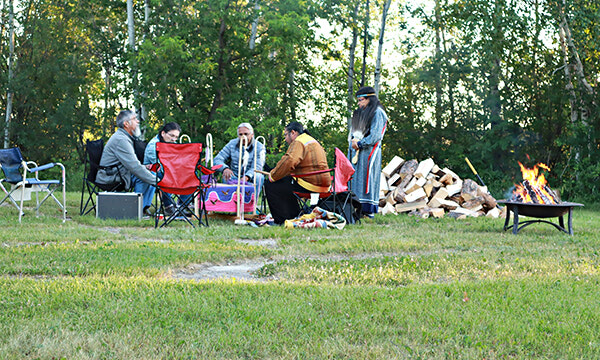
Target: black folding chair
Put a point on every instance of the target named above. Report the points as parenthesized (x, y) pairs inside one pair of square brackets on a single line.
[(93, 151)]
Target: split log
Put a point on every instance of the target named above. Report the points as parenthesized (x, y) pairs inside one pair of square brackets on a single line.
[(424, 168), (454, 188), (447, 204), (469, 190), (473, 203), (490, 202), (447, 179), (393, 166), (451, 173), (387, 209), (408, 169), (384, 184), (422, 213), (457, 215), (493, 213), (441, 194), (417, 184), (467, 212), (428, 187), (415, 195), (400, 208), (398, 195), (437, 212), (393, 180)]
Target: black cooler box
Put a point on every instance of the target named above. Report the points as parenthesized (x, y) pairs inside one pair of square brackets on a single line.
[(112, 205)]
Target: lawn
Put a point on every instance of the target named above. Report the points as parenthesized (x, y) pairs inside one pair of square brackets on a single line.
[(392, 287)]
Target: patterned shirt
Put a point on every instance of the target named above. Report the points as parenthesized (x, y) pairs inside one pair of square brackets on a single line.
[(304, 155)]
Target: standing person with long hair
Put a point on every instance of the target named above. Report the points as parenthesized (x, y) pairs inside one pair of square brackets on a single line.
[(366, 129)]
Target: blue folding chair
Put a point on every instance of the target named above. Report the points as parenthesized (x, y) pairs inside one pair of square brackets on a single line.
[(21, 187)]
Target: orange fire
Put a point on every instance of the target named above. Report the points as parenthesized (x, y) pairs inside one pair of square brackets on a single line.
[(534, 188)]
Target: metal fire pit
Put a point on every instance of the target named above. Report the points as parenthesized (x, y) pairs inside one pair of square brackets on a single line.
[(540, 211)]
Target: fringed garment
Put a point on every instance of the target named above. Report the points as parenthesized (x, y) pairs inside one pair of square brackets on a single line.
[(365, 183)]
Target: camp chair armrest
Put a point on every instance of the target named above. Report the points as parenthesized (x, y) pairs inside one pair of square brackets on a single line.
[(43, 167), (206, 171), (312, 173)]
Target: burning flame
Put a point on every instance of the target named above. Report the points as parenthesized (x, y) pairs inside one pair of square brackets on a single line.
[(534, 188)]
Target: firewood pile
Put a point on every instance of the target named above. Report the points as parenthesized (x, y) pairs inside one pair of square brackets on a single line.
[(423, 189)]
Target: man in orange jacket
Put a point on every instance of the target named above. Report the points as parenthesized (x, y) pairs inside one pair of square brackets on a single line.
[(304, 155)]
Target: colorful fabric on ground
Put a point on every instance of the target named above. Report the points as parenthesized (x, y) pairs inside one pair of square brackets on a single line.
[(318, 218)]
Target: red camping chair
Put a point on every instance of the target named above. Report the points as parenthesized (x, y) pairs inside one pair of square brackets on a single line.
[(342, 173), (181, 171)]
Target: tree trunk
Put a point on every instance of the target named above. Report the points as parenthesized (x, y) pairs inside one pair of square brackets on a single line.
[(578, 65), (351, 62), (386, 7), (451, 85), (437, 67), (11, 55), (108, 124), (494, 103), (143, 109), (222, 61), (132, 49), (365, 45), (130, 28), (254, 25), (292, 94)]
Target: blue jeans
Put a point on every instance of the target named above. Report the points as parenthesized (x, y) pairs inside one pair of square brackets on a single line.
[(147, 190)]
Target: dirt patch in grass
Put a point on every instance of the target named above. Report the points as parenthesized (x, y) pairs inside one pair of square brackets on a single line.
[(268, 243), (245, 270), (264, 269)]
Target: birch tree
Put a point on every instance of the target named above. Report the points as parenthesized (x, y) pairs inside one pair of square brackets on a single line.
[(11, 55), (351, 54), (365, 43), (386, 7)]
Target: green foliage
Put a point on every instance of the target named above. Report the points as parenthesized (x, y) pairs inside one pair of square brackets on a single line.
[(484, 80)]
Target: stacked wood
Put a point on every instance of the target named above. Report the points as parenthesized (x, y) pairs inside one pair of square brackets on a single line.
[(424, 189)]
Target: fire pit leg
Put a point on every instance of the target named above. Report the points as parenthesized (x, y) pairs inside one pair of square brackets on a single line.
[(561, 222), (515, 210), (507, 220), (570, 220)]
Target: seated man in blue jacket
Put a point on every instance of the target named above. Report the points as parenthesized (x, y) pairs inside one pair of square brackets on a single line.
[(229, 158)]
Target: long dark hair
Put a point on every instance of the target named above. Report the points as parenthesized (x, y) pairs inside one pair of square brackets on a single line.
[(362, 118), (166, 128)]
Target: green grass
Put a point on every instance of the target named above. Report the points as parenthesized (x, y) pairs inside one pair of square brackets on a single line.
[(392, 287)]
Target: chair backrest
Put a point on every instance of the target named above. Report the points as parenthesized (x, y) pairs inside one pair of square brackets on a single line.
[(12, 162), (179, 164), (94, 151), (343, 171), (139, 146)]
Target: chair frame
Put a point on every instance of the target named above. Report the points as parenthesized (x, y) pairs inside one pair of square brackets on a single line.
[(36, 185), (304, 198), (198, 192), (92, 187)]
